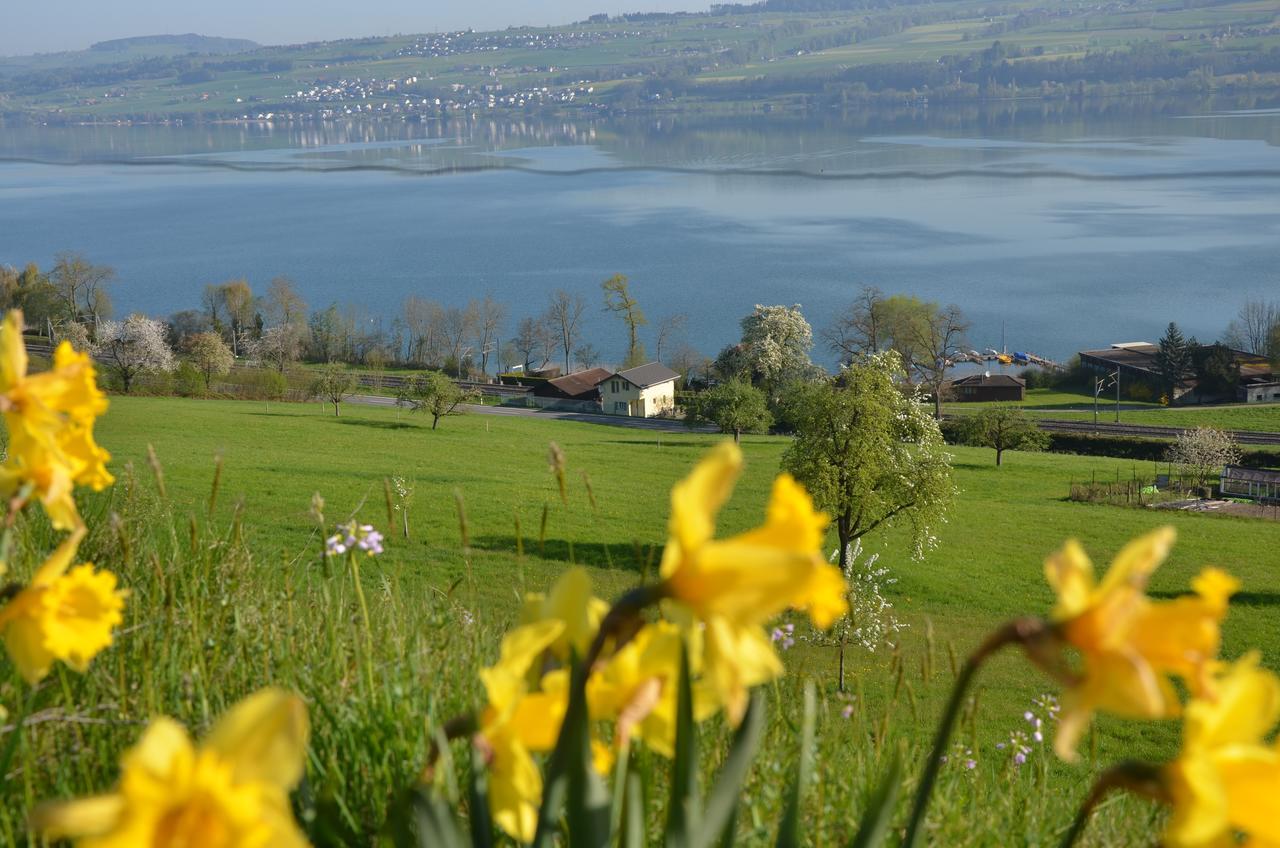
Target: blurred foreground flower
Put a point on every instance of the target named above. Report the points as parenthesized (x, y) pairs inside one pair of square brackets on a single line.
[(515, 724), (354, 537), (61, 615), (1226, 779), (1130, 645), (49, 418), (233, 790), (736, 585)]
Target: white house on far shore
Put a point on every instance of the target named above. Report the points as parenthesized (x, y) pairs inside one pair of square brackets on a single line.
[(645, 391)]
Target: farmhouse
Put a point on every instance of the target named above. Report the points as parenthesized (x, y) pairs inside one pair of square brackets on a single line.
[(645, 391), (985, 387), (579, 386)]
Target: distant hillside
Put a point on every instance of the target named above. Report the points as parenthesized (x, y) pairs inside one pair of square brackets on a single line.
[(169, 44)]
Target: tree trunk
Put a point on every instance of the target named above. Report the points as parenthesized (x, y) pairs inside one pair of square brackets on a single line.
[(737, 435), (336, 414), (435, 419), (843, 533), (999, 454), (840, 678), (127, 379), (937, 402)]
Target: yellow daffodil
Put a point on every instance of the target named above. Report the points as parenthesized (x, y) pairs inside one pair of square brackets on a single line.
[(50, 419), (638, 686), (233, 790), (1128, 644), (735, 585), (61, 615), (570, 601), (517, 723), (1226, 780)]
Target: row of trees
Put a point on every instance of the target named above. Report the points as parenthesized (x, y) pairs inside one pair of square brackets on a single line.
[(1256, 329)]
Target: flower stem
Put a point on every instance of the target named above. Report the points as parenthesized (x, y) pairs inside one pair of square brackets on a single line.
[(1139, 778), (11, 744), (364, 619), (1021, 630)]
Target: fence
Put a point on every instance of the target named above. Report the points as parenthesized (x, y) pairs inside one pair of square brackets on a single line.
[(1136, 490)]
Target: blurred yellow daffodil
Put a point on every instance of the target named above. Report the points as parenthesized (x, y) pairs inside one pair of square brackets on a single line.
[(231, 790), (571, 602), (737, 584), (638, 686), (517, 723), (1128, 644), (50, 418), (61, 615), (1226, 780)]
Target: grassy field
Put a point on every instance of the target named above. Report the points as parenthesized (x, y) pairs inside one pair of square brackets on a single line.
[(1069, 405), (231, 594)]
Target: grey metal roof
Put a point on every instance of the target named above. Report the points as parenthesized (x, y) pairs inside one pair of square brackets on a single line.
[(1256, 475), (647, 375)]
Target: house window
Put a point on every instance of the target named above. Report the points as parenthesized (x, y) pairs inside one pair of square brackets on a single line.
[(620, 407)]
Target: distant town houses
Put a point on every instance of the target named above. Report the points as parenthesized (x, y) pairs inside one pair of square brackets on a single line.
[(412, 94)]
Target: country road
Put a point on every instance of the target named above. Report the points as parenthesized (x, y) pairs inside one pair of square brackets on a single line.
[(661, 425)]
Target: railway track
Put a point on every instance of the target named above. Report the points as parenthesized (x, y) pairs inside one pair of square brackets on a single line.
[(1145, 431)]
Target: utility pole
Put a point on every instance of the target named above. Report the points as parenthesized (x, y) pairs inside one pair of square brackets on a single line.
[(1100, 384), (1117, 395)]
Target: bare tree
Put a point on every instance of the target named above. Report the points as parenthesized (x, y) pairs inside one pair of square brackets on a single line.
[(526, 340), (457, 329), (586, 355), (547, 336), (424, 322), (80, 286), (134, 346), (1253, 326), (939, 339), (565, 313), (859, 330), (284, 306), (278, 346), (489, 315), (669, 328)]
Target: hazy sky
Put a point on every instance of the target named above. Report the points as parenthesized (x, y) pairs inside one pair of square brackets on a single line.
[(42, 26)]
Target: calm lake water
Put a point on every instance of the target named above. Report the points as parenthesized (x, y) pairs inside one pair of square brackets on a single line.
[(1062, 228)]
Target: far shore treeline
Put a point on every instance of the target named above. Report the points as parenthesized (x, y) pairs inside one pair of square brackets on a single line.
[(274, 329)]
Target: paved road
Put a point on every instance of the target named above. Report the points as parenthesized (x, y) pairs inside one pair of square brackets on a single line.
[(653, 424)]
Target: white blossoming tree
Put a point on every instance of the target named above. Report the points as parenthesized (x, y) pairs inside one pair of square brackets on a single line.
[(871, 621), (1202, 453), (132, 347), (776, 341)]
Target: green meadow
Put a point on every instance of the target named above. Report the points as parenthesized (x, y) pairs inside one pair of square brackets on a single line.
[(217, 543)]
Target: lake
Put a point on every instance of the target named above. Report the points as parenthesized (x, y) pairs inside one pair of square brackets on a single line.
[(1055, 228)]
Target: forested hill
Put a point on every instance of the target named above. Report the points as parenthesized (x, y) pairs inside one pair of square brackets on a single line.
[(166, 44)]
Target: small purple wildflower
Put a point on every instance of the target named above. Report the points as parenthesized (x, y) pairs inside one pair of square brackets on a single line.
[(784, 636), (847, 712)]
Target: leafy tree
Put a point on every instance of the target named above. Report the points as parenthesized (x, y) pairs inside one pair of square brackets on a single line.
[(210, 354), (1173, 359), (565, 313), (433, 393), (1203, 452), (1003, 428), (868, 453), (80, 287), (735, 407), (137, 345), (618, 300), (333, 384), (1217, 371)]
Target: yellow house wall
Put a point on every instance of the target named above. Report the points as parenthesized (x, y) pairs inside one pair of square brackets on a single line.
[(657, 399)]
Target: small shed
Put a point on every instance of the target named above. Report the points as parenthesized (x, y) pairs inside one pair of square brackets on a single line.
[(1258, 484), (985, 387)]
